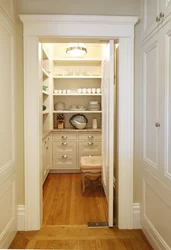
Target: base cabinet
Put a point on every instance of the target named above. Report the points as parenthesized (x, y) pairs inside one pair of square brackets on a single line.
[(68, 147), (46, 156)]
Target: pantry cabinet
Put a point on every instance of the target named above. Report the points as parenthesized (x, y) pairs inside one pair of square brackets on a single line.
[(156, 82), (68, 147), (46, 156), (154, 12)]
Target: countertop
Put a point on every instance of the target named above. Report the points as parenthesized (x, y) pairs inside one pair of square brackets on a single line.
[(47, 132)]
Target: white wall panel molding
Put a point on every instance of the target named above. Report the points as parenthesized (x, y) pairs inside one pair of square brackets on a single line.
[(8, 7)]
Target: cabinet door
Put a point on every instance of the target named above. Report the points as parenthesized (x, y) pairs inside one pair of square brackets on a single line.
[(44, 160), (153, 105), (166, 7), (157, 137), (150, 10)]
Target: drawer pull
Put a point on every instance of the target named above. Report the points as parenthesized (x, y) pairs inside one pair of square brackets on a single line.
[(64, 156), (64, 144), (64, 137), (90, 143), (90, 137)]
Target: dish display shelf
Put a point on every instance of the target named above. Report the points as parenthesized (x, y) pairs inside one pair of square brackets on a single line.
[(75, 84), (45, 90)]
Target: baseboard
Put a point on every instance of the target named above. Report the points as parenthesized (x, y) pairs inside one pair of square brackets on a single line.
[(136, 216), (21, 218)]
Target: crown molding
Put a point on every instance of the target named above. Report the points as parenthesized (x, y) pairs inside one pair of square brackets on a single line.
[(127, 20), (78, 26)]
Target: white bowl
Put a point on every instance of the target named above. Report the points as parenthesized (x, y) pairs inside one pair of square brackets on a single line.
[(80, 125)]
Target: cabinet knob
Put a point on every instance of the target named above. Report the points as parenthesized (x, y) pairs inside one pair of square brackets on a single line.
[(161, 15), (90, 143), (64, 144), (157, 19), (157, 124), (90, 137), (64, 156), (64, 137)]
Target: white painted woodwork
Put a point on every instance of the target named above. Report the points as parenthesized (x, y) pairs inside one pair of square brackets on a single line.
[(46, 156), (104, 27), (166, 7), (108, 127), (68, 147), (8, 214), (150, 11), (9, 7), (156, 188), (125, 124)]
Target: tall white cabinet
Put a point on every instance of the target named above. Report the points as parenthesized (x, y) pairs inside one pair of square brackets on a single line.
[(156, 62)]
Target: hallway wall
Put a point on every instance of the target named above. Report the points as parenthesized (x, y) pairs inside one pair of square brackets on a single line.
[(89, 7)]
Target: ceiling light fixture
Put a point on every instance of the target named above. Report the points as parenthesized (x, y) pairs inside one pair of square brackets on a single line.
[(76, 49)]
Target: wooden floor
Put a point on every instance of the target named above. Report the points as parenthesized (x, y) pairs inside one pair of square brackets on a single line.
[(64, 203), (66, 213), (81, 238)]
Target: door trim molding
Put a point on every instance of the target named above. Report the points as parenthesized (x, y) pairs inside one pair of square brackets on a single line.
[(136, 216), (21, 218), (58, 26)]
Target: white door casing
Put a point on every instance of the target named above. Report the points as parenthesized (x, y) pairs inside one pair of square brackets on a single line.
[(104, 27), (8, 213), (108, 127)]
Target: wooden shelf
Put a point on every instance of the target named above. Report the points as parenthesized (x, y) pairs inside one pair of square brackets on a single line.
[(77, 77), (77, 61), (45, 112), (76, 94), (45, 55), (45, 92), (45, 74), (76, 112)]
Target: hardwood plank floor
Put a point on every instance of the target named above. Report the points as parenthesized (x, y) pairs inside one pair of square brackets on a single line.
[(82, 238), (64, 203), (66, 213)]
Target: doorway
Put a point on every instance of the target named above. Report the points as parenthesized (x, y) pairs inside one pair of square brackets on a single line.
[(77, 87), (37, 26)]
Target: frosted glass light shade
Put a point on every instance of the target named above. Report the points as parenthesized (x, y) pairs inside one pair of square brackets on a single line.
[(76, 49)]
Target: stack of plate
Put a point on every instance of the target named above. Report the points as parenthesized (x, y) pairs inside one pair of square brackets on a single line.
[(94, 106)]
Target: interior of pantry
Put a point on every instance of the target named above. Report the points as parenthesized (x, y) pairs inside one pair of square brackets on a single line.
[(74, 83)]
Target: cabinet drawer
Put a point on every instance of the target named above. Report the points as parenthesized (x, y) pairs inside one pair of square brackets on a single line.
[(90, 136), (64, 161), (89, 148), (64, 136), (68, 147)]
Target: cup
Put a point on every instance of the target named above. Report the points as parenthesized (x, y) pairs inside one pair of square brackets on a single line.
[(60, 91), (94, 123), (93, 90), (84, 90), (55, 91), (64, 91), (98, 90), (89, 91), (79, 91), (68, 91)]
